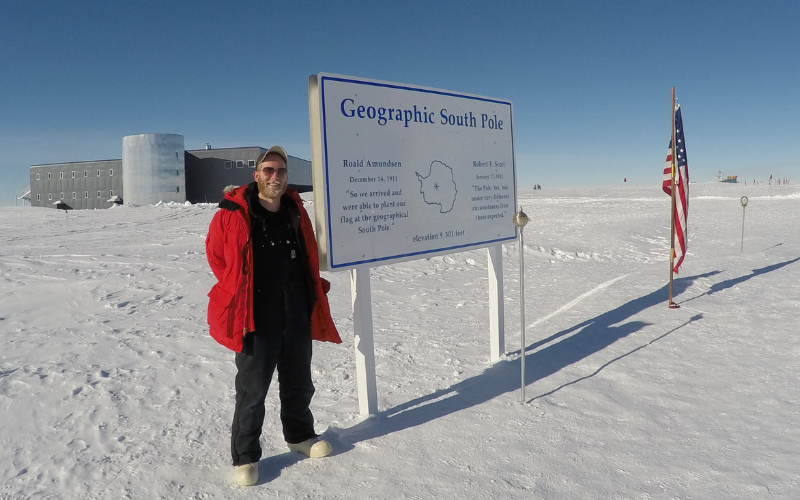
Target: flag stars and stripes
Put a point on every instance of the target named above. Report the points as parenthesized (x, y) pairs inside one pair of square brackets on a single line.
[(681, 173)]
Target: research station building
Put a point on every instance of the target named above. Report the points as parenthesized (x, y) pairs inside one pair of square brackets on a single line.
[(153, 168)]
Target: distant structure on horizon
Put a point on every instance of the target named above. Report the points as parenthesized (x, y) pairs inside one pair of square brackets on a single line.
[(153, 168), (730, 178)]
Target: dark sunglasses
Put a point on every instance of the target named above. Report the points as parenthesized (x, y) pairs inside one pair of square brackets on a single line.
[(269, 171)]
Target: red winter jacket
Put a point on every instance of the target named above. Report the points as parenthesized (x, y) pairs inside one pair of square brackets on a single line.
[(230, 255)]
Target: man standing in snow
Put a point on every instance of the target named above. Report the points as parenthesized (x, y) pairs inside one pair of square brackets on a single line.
[(268, 304)]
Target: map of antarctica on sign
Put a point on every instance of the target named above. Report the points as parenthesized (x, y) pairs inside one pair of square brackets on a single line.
[(438, 186), (403, 172)]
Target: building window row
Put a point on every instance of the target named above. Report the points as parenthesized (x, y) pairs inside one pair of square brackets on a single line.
[(85, 174), (229, 164), (74, 195)]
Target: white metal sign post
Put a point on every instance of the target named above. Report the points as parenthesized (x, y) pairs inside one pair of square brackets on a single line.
[(403, 172), (360, 294), (497, 344)]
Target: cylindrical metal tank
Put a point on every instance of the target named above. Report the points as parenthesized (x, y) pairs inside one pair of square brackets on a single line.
[(153, 169)]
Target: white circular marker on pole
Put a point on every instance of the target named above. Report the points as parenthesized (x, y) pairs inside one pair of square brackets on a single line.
[(520, 219), (743, 201)]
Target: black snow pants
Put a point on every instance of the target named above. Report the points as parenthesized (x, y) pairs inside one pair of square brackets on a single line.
[(290, 353)]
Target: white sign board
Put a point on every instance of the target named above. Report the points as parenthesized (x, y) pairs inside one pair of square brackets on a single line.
[(403, 172)]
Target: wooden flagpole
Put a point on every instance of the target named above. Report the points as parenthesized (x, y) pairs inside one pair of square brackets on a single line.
[(670, 303)]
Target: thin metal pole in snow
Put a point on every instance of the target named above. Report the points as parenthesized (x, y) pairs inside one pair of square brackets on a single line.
[(520, 219), (522, 314), (744, 205), (673, 153)]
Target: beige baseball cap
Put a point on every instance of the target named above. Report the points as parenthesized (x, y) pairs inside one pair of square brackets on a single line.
[(274, 150)]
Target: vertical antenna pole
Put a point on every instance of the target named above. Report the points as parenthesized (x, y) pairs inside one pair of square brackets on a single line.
[(670, 303), (520, 220)]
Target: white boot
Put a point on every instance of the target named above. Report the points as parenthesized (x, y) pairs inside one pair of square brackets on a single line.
[(314, 447), (246, 475)]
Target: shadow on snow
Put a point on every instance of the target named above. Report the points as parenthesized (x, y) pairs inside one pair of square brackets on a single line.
[(595, 335), (722, 285)]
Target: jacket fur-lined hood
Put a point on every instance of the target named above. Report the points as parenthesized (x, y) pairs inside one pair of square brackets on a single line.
[(236, 199)]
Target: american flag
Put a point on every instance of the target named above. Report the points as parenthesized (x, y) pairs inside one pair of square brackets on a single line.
[(682, 194)]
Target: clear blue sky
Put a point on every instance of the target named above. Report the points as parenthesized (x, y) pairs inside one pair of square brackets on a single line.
[(589, 80)]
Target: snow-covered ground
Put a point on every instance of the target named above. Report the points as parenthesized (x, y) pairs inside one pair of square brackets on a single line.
[(111, 388)]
